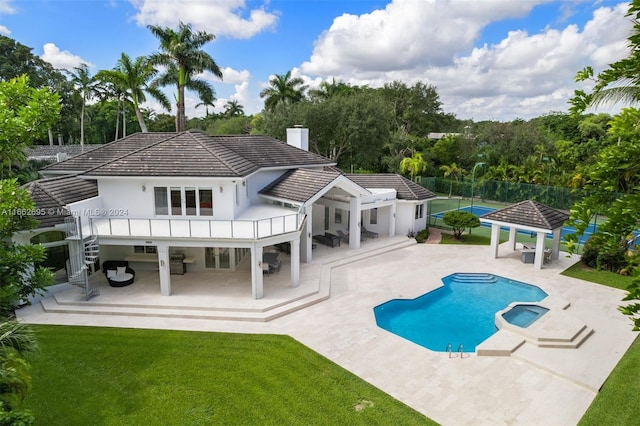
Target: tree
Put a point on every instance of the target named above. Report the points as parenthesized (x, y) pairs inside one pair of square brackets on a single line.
[(88, 88), (25, 113), (459, 220), (17, 346), (283, 90), (413, 165), (18, 278), (181, 54), (233, 109), (452, 171), (134, 78)]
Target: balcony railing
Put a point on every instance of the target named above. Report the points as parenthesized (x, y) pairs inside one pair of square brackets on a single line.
[(196, 228)]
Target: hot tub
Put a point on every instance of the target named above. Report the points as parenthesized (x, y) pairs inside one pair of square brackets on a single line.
[(523, 315)]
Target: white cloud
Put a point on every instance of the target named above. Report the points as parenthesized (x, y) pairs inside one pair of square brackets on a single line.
[(6, 8), (221, 17), (61, 59), (524, 75), (4, 30)]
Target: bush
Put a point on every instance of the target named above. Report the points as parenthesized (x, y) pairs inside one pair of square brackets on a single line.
[(459, 220), (422, 236), (598, 255)]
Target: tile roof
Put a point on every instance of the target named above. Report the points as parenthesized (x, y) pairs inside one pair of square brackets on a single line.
[(406, 189), (52, 195), (50, 151), (529, 213), (189, 154), (300, 185)]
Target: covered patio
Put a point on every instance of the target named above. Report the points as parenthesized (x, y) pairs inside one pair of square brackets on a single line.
[(532, 217)]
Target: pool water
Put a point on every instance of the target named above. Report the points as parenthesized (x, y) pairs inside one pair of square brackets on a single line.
[(460, 312), (524, 315)]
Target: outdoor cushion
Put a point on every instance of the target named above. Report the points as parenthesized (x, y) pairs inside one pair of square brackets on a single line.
[(111, 273), (121, 270)]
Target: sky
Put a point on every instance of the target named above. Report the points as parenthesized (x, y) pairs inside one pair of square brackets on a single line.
[(488, 59)]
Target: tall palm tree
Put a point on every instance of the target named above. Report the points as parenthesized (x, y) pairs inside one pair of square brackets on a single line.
[(452, 171), (207, 101), (17, 345), (283, 90), (413, 165), (181, 54), (135, 79), (233, 109), (88, 86)]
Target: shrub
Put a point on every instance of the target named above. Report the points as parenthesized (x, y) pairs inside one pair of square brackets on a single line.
[(422, 236), (459, 220)]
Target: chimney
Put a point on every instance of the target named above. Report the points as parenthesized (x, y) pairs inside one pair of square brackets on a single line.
[(298, 137)]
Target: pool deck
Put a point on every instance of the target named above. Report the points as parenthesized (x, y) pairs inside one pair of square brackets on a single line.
[(533, 386)]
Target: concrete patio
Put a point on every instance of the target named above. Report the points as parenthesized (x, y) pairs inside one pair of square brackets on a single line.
[(332, 313)]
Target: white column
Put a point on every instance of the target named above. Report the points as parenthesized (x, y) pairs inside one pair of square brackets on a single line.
[(306, 239), (495, 239), (513, 232), (354, 222), (295, 263), (164, 270), (392, 220), (256, 272), (539, 250), (555, 250)]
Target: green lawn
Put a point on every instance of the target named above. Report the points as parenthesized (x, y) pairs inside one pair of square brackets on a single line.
[(109, 376), (583, 272)]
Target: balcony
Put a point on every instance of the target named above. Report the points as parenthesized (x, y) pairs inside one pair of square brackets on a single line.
[(192, 227)]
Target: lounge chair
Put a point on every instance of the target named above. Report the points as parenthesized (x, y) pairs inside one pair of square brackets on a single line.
[(344, 236), (118, 273), (368, 233)]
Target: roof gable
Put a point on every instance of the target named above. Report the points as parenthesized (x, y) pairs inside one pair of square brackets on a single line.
[(405, 189), (299, 185), (529, 213)]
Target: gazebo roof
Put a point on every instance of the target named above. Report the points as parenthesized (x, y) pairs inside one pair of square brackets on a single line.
[(530, 214)]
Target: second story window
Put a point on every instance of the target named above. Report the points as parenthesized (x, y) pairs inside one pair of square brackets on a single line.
[(206, 202), (161, 200), (178, 201)]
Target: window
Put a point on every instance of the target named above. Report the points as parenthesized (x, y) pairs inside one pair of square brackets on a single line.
[(338, 216), (326, 218), (419, 211), (237, 195), (190, 201), (176, 201), (206, 202), (373, 218), (161, 200)]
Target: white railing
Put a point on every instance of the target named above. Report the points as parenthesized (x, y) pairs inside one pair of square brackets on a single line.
[(197, 228)]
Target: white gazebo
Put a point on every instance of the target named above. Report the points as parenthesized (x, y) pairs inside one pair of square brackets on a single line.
[(529, 216)]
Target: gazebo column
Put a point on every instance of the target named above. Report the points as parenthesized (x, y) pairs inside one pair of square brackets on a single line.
[(539, 250), (354, 222), (295, 263), (512, 238), (495, 239), (306, 239), (555, 248), (256, 272)]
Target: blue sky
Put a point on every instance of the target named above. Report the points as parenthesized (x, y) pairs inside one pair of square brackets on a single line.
[(489, 59)]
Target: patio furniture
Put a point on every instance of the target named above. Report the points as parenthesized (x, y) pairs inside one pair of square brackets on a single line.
[(528, 255), (328, 239), (547, 256), (271, 263), (344, 236), (368, 233), (118, 273)]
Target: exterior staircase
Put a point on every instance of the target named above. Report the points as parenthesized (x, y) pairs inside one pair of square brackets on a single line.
[(84, 252)]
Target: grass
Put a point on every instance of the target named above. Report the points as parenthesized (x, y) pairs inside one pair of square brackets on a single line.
[(610, 279), (473, 239), (109, 376)]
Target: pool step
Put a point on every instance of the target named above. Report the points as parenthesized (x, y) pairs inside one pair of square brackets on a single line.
[(473, 278)]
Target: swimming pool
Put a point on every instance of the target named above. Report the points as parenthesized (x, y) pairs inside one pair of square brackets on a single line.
[(480, 210), (524, 315), (461, 312)]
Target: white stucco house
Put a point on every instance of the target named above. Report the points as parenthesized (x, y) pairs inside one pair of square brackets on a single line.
[(162, 201)]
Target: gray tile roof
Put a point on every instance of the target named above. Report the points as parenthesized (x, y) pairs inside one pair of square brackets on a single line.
[(38, 152), (529, 213), (300, 185), (189, 154), (406, 189), (52, 195)]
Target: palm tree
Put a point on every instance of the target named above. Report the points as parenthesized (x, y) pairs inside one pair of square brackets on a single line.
[(88, 87), (452, 171), (414, 165), (135, 78), (207, 102), (233, 109), (283, 90), (17, 344), (181, 54)]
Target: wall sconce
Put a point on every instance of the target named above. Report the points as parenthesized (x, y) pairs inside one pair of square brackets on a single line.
[(161, 262), (144, 188), (220, 189), (309, 234), (244, 183)]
